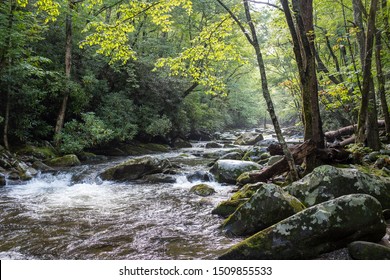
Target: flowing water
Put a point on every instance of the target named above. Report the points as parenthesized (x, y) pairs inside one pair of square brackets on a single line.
[(51, 217)]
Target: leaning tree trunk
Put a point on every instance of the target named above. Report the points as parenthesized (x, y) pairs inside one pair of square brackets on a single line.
[(68, 67), (252, 38)]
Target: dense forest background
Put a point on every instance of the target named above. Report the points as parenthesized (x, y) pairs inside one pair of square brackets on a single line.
[(90, 72)]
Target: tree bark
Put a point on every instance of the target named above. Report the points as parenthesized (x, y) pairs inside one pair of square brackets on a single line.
[(381, 81), (367, 103), (302, 33), (68, 68)]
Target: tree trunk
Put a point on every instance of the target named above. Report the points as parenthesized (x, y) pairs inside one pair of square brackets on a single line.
[(382, 81), (267, 95), (253, 40), (6, 118), (68, 67), (302, 33), (367, 103)]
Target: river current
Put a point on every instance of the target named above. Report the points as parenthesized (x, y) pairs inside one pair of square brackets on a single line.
[(52, 217)]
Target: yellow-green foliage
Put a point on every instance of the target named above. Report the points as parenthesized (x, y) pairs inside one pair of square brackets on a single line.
[(210, 47), (112, 37)]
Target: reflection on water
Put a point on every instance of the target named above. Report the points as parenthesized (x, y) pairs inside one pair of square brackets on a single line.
[(51, 218)]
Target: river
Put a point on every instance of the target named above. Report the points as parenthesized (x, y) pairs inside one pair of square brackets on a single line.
[(52, 217)]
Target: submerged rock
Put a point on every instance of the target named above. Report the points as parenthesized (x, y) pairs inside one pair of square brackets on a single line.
[(249, 138), (361, 250), (269, 205), (327, 182), (135, 168), (202, 190), (319, 229), (227, 171)]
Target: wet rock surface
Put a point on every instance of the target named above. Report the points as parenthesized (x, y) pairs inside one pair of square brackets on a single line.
[(316, 230), (327, 182), (227, 171), (269, 205)]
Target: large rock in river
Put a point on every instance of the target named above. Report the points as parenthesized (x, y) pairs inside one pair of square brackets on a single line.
[(227, 171), (269, 205), (249, 138), (327, 182), (134, 168), (64, 161), (319, 229)]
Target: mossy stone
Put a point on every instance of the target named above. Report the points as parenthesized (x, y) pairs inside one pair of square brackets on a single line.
[(64, 161), (316, 230), (202, 190), (361, 250), (38, 152)]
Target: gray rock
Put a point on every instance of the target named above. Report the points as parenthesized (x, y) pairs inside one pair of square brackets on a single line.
[(232, 155), (249, 138), (328, 182), (213, 145), (274, 159), (180, 143), (227, 171), (159, 178), (203, 176), (316, 230), (134, 169), (361, 250), (269, 205)]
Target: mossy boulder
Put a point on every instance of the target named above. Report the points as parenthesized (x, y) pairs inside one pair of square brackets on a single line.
[(256, 154), (249, 138), (226, 208), (227, 171), (64, 161), (202, 190), (232, 155), (269, 205), (138, 149), (319, 229), (213, 145), (180, 143), (327, 182), (362, 250), (134, 169), (274, 159), (38, 152)]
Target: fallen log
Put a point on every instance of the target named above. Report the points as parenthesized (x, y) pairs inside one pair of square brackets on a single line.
[(338, 134), (299, 153)]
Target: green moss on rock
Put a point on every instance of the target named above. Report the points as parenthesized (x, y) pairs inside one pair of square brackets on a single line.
[(64, 161), (361, 250), (319, 229), (202, 190)]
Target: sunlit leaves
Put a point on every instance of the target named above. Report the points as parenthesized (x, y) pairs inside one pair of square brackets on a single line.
[(112, 38), (208, 57)]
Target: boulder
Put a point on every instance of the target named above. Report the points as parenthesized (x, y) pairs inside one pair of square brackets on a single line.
[(227, 171), (319, 229), (226, 208), (249, 138), (274, 159), (213, 145), (159, 178), (232, 155), (64, 161), (39, 165), (134, 169), (38, 152), (269, 205), (202, 190), (256, 154), (180, 143), (2, 180), (362, 250), (328, 182), (199, 175)]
